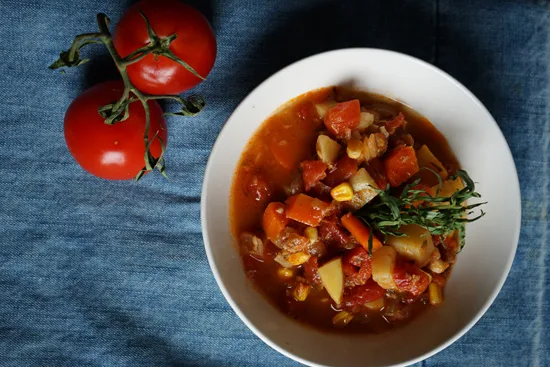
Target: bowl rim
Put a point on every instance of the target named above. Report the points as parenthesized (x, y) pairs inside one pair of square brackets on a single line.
[(226, 127)]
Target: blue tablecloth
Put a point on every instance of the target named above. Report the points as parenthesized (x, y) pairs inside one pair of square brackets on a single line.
[(100, 273)]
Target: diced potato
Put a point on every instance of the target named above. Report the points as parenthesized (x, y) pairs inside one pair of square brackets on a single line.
[(327, 149), (322, 108), (375, 305), (362, 180), (364, 188), (427, 159), (448, 188), (438, 266), (342, 318), (367, 119), (332, 277), (436, 295), (383, 265), (417, 245)]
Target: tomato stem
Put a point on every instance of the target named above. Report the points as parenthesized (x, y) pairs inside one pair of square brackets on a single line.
[(119, 111)]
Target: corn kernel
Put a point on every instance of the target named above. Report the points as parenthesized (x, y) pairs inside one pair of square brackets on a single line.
[(354, 148), (375, 305), (342, 192), (342, 318), (312, 234), (298, 258), (301, 292), (285, 273), (436, 295)]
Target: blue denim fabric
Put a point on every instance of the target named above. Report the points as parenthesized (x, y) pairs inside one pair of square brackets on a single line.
[(100, 273)]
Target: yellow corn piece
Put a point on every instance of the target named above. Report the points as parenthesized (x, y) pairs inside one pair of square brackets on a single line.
[(342, 192), (375, 305), (298, 258), (342, 318), (301, 291), (312, 234), (285, 273), (436, 295), (354, 148)]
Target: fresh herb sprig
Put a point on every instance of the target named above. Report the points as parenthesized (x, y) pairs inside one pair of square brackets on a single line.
[(439, 215)]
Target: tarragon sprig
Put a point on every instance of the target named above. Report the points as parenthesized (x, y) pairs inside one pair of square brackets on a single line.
[(439, 215)]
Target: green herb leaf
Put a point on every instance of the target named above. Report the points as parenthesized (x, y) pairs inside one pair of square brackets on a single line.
[(439, 215)]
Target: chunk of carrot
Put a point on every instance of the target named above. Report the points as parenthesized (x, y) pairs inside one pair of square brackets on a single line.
[(400, 164), (343, 118), (360, 231), (274, 220), (305, 209), (342, 171), (313, 172)]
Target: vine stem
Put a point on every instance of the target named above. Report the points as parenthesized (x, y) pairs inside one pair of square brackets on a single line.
[(119, 111)]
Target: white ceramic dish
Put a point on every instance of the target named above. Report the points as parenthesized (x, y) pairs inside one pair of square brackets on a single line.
[(491, 243)]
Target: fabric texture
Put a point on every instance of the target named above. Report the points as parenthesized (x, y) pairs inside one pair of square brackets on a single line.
[(103, 273)]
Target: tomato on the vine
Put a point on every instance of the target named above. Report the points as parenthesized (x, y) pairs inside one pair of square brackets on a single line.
[(195, 44), (114, 152)]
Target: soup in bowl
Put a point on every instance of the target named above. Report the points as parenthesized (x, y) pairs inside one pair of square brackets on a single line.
[(335, 205)]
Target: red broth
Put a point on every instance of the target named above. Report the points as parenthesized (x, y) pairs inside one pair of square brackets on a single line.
[(269, 171)]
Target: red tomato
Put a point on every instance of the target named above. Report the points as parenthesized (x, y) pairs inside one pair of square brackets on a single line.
[(257, 188), (357, 266), (311, 272), (342, 171), (397, 123), (312, 172), (376, 170), (409, 278), (356, 297), (343, 118), (113, 152), (332, 233), (195, 44)]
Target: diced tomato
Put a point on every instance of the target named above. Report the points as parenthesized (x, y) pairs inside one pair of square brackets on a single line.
[(274, 220), (333, 234), (311, 272), (409, 278), (343, 118), (357, 267), (376, 170), (321, 191), (356, 256), (305, 209), (356, 297), (400, 164), (313, 172), (360, 231), (398, 122), (342, 171), (257, 188)]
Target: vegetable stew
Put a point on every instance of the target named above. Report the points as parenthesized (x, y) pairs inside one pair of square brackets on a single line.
[(349, 210)]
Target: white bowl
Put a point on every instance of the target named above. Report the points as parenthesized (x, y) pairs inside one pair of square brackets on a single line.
[(491, 242)]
